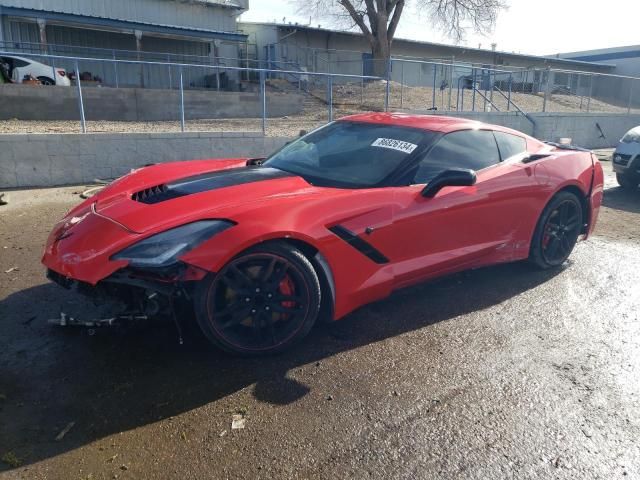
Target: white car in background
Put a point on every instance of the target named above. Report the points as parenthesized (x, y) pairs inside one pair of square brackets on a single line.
[(20, 66), (626, 159)]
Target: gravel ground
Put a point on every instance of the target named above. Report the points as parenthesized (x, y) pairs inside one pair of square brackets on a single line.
[(502, 372)]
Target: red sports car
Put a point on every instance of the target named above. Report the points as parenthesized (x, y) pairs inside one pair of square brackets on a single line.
[(260, 249)]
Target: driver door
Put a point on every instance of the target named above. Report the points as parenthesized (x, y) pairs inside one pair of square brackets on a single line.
[(460, 227)]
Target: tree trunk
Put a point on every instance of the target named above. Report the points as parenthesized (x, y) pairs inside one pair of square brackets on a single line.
[(381, 51)]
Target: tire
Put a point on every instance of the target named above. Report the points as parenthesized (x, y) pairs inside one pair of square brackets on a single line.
[(262, 302), (46, 81), (557, 231), (626, 182)]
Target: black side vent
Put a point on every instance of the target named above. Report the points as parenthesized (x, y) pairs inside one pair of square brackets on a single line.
[(156, 194), (359, 244)]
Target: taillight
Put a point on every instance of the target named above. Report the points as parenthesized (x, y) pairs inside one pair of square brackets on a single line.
[(62, 73)]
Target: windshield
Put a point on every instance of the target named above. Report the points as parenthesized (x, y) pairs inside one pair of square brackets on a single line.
[(351, 154), (632, 136)]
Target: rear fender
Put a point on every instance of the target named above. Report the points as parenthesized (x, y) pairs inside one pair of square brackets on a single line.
[(596, 194)]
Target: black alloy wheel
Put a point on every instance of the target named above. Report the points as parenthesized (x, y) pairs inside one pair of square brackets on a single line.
[(558, 230), (261, 302)]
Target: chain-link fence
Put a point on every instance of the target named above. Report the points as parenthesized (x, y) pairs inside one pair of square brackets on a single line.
[(122, 94), (196, 97), (452, 86)]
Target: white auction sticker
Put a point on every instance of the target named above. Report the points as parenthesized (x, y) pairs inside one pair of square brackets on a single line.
[(399, 145)]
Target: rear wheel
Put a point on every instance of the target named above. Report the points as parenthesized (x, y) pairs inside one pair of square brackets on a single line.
[(627, 182), (46, 81), (261, 302), (557, 231)]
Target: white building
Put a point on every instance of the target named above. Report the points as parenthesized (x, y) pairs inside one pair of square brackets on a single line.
[(625, 61), (194, 31)]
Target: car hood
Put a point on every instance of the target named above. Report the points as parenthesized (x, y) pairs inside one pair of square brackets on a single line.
[(162, 196), (631, 148)]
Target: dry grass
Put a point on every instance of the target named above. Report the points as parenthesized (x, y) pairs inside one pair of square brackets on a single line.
[(421, 98)]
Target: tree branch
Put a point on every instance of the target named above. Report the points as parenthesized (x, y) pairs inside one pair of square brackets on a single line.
[(358, 19), (393, 24)]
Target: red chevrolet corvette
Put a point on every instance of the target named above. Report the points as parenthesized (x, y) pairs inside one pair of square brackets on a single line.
[(261, 249)]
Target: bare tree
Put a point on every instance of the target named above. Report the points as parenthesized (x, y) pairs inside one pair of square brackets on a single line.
[(378, 19)]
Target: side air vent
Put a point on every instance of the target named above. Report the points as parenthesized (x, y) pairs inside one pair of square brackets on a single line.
[(359, 244), (156, 194)]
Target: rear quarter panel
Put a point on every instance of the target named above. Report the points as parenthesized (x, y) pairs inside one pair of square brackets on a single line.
[(569, 170), (597, 194)]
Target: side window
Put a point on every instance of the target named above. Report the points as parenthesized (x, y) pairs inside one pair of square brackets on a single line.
[(510, 145), (19, 63), (474, 149)]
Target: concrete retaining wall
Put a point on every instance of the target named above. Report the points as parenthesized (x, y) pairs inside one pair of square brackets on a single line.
[(589, 130), (63, 159), (135, 104), (49, 159), (581, 127)]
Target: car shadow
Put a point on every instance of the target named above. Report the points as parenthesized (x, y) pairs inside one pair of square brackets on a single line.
[(619, 198), (120, 380)]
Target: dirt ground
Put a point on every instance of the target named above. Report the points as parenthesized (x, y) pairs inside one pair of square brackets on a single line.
[(503, 372)]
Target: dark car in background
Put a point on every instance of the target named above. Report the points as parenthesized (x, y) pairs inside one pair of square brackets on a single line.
[(626, 159)]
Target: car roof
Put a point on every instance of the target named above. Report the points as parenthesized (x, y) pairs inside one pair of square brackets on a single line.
[(434, 123), (19, 58)]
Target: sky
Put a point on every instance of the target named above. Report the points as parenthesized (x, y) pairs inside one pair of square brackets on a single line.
[(540, 27)]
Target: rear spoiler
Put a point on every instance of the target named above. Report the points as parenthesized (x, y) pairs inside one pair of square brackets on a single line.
[(562, 146), (558, 146)]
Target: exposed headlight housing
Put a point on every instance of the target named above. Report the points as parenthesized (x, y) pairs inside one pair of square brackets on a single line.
[(163, 249)]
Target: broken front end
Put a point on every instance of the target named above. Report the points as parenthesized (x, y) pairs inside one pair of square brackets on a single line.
[(139, 276)]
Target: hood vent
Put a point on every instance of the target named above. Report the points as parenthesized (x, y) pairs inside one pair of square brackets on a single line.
[(207, 182), (156, 194)]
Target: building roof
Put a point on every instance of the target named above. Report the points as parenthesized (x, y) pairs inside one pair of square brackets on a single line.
[(454, 48), (240, 4), (118, 24), (603, 54)]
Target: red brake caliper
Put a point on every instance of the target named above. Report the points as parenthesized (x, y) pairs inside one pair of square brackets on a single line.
[(287, 288)]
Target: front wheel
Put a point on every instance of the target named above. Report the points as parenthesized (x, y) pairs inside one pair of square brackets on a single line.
[(262, 302), (557, 231), (46, 81), (626, 182)]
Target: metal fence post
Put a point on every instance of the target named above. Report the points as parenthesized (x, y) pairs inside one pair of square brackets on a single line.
[(433, 95), (509, 95), (450, 85), (263, 100), (387, 91), (169, 67), (546, 91), (590, 93), (630, 96), (53, 71), (115, 68), (181, 101), (492, 78), (484, 81), (83, 121), (402, 86), (330, 96), (473, 88)]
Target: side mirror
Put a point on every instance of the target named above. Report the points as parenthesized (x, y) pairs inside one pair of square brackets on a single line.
[(302, 133), (454, 177), (255, 161)]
